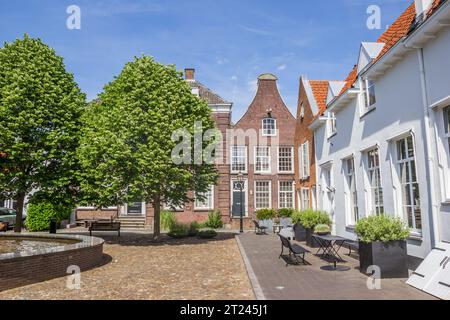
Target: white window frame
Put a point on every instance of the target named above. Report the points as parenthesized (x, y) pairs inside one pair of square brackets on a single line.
[(444, 161), (279, 158), (265, 130), (304, 161), (292, 192), (245, 157), (206, 207), (331, 124), (268, 157), (373, 207), (256, 193), (366, 85), (408, 160), (305, 199), (352, 208), (143, 209)]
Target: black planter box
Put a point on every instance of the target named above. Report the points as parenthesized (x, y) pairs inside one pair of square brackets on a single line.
[(300, 232), (390, 257), (310, 241)]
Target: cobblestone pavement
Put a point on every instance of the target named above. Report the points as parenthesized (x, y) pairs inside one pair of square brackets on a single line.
[(310, 282), (137, 268)]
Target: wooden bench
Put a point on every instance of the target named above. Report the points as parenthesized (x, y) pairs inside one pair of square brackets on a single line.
[(104, 226), (295, 251)]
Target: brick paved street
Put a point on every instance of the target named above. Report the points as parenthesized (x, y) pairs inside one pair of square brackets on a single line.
[(136, 268), (310, 282)]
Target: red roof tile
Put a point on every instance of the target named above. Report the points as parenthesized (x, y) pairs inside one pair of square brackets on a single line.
[(320, 92)]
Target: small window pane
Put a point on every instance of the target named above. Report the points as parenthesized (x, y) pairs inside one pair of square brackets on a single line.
[(269, 127)]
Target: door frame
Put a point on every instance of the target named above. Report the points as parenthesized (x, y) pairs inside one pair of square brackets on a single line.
[(143, 213), (246, 213)]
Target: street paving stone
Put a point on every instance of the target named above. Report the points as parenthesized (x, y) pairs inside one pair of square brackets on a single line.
[(137, 268)]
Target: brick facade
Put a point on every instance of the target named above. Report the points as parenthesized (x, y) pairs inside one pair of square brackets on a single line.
[(266, 104), (311, 102)]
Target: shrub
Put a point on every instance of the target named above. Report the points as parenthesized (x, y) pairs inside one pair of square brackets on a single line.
[(168, 219), (381, 228), (214, 220), (40, 214), (193, 228), (296, 217), (311, 218), (178, 231), (265, 214), (322, 229), (285, 213), (207, 234)]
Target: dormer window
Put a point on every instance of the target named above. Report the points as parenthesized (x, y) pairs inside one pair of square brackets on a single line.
[(369, 94), (332, 127), (269, 126)]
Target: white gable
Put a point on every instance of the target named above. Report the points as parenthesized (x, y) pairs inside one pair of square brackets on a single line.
[(368, 52), (310, 95), (334, 88)]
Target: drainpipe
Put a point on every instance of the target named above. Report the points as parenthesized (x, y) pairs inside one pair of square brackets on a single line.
[(429, 154)]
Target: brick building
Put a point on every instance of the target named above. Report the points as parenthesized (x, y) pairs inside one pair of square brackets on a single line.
[(262, 150), (218, 198)]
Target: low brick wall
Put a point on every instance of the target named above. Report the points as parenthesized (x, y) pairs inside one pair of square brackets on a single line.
[(24, 270)]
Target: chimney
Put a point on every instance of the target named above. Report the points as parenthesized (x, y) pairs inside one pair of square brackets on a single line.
[(189, 74), (422, 6)]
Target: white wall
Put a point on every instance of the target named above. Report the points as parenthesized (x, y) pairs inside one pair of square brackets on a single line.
[(398, 110)]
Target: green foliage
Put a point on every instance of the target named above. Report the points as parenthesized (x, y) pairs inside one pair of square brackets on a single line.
[(194, 227), (128, 140), (311, 218), (285, 212), (178, 231), (322, 229), (207, 234), (168, 218), (40, 214), (265, 214), (296, 217), (40, 110), (214, 220), (382, 228)]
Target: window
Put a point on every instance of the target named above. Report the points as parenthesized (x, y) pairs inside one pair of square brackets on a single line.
[(285, 159), (263, 195), (303, 155), (302, 111), (376, 190), (352, 200), (262, 159), (332, 127), (239, 158), (305, 198), (286, 194), (135, 208), (269, 126), (408, 180), (208, 203), (447, 126), (369, 93)]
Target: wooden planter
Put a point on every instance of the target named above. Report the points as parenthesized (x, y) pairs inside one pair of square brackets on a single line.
[(390, 257)]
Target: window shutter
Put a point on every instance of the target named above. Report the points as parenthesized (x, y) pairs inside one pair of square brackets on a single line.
[(300, 160), (307, 161)]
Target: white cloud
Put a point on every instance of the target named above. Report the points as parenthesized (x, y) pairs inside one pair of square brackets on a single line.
[(281, 67)]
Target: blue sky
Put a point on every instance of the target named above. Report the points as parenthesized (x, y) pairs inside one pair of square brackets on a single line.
[(229, 42)]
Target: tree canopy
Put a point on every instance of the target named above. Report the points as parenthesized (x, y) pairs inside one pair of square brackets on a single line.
[(126, 145), (40, 110)]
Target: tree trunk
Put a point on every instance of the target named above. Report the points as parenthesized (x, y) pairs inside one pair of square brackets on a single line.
[(19, 215), (156, 217)]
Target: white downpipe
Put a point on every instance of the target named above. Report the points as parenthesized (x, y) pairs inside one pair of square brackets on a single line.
[(430, 142)]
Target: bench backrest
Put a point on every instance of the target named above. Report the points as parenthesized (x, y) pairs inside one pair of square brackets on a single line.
[(285, 242), (256, 223), (97, 224)]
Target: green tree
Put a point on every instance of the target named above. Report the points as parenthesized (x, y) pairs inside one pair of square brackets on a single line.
[(40, 111), (126, 145)]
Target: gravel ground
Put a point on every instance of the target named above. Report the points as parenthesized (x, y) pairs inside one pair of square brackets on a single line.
[(137, 268)]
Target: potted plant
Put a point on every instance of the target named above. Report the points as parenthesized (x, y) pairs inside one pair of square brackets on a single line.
[(299, 229), (382, 243), (285, 215), (265, 217), (310, 219), (322, 229)]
